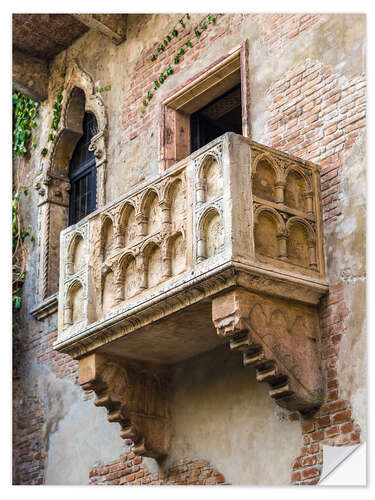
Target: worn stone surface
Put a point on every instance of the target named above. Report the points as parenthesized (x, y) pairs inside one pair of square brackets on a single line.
[(30, 75)]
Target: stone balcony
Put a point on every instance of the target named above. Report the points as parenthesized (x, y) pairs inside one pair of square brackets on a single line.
[(225, 247)]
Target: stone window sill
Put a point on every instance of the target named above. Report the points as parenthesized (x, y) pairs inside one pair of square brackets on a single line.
[(45, 308)]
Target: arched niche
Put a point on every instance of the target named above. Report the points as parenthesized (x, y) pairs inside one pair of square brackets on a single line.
[(300, 243), (177, 202), (128, 224), (153, 264), (152, 212), (78, 253), (264, 179), (129, 275), (296, 189), (108, 292), (74, 304), (267, 227), (210, 179), (211, 235), (107, 235), (75, 258), (177, 252)]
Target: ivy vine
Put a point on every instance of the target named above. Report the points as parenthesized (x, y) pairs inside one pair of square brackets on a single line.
[(56, 115), (210, 19), (25, 111), (19, 252)]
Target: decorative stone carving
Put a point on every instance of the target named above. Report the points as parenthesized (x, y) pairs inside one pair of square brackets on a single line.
[(283, 192), (53, 184), (135, 395), (223, 231), (278, 338)]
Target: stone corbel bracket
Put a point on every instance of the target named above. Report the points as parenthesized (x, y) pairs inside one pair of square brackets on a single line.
[(135, 396), (278, 338)]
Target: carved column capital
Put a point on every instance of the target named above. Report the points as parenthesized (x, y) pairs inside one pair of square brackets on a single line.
[(53, 189), (135, 395)]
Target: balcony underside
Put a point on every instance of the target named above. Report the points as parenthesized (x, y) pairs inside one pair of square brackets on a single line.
[(177, 337)]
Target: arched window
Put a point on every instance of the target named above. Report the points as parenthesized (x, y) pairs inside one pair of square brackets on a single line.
[(82, 173)]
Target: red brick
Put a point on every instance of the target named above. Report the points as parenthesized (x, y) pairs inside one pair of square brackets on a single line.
[(324, 421), (347, 427), (317, 436), (308, 473), (342, 416), (308, 427), (296, 476), (332, 431), (309, 461)]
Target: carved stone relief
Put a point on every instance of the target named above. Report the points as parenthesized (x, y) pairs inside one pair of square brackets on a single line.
[(279, 339), (53, 185), (135, 395), (283, 210)]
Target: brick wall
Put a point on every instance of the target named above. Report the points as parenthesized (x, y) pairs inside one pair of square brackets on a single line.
[(333, 424), (134, 122), (317, 115), (131, 470), (29, 410)]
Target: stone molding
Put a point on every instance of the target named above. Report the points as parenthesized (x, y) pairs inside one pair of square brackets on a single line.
[(45, 308)]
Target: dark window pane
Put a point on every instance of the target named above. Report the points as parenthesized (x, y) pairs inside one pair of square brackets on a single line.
[(82, 173)]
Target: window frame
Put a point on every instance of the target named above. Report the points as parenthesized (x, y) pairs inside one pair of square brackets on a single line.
[(194, 94)]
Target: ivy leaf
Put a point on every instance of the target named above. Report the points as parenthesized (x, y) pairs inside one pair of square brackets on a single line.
[(188, 44), (197, 33), (203, 26), (188, 16), (174, 32), (17, 302), (211, 19)]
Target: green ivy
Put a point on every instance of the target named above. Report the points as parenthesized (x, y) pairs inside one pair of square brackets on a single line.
[(56, 115), (163, 76), (19, 235), (25, 111)]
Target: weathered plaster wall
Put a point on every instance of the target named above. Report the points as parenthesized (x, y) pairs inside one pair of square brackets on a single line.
[(220, 413)]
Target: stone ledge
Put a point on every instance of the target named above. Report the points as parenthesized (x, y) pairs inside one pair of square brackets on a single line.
[(45, 308)]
